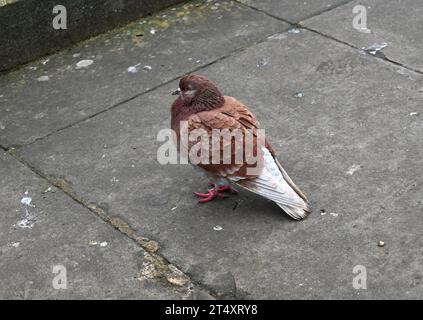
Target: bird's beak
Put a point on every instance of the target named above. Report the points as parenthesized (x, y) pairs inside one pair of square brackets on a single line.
[(176, 92)]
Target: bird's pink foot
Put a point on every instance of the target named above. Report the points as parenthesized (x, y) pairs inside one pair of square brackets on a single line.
[(227, 188), (214, 192), (206, 197), (223, 188)]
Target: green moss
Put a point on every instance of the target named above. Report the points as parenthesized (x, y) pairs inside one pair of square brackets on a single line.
[(4, 2), (145, 28)]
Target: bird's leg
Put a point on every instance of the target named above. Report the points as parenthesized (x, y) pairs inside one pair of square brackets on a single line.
[(215, 192), (227, 188), (223, 188)]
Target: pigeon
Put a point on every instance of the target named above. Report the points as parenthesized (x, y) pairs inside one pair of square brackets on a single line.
[(201, 106)]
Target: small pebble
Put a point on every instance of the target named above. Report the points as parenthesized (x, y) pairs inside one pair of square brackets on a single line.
[(262, 63), (217, 228), (84, 63), (381, 244), (294, 31), (375, 48), (16, 244), (132, 69), (43, 78), (353, 169), (47, 190), (26, 201)]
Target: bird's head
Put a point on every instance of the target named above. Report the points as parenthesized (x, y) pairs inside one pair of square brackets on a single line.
[(199, 93)]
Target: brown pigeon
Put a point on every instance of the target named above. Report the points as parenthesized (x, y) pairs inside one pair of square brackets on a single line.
[(201, 106)]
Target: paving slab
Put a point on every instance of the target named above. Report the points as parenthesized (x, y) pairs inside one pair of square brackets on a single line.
[(293, 10), (345, 128), (398, 23), (53, 231), (40, 97)]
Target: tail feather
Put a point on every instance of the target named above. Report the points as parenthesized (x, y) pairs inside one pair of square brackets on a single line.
[(290, 182), (275, 184), (296, 213)]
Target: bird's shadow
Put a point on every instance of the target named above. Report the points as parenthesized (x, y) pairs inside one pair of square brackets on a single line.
[(249, 206)]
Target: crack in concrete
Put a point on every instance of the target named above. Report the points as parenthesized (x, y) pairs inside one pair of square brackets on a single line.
[(161, 267), (264, 12), (377, 56), (318, 13), (301, 26), (155, 265)]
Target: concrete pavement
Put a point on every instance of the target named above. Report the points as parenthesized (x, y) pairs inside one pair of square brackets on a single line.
[(347, 126)]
